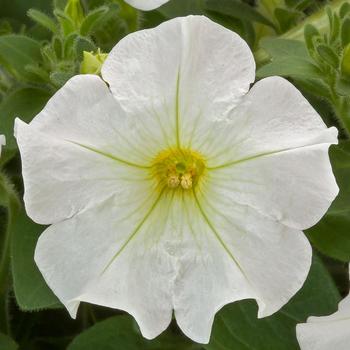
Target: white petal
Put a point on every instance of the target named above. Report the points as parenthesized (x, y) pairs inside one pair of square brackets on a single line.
[(166, 254), (75, 152), (180, 73), (146, 5), (279, 162), (235, 254), (328, 332), (109, 256), (2, 142), (273, 116)]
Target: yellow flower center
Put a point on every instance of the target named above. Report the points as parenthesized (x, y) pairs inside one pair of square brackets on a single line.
[(178, 168)]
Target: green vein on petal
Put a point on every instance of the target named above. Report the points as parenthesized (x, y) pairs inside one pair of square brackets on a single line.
[(177, 110), (136, 230), (216, 233), (126, 162)]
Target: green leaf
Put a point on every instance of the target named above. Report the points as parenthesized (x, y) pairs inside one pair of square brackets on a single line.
[(68, 45), (17, 9), (345, 63), (17, 51), (310, 33), (281, 48), (287, 18), (24, 103), (332, 234), (289, 58), (293, 67), (92, 20), (345, 32), (316, 87), (57, 46), (43, 19), (237, 9), (244, 28), (60, 78), (82, 44), (31, 291), (121, 332), (6, 343), (328, 55), (74, 11), (344, 10), (342, 86), (237, 327), (177, 8), (66, 22)]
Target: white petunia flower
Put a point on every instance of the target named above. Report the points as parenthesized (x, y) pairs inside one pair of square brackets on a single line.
[(174, 187), (2, 142), (327, 332), (146, 5)]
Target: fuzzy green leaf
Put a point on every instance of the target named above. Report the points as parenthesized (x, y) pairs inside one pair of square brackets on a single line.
[(82, 44), (289, 58), (23, 103), (287, 18), (237, 9), (43, 19), (328, 55), (345, 32), (290, 67), (310, 33), (31, 291), (17, 51), (344, 10), (92, 20), (281, 48)]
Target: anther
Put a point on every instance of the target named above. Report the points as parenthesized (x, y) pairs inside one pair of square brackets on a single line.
[(186, 181), (173, 180)]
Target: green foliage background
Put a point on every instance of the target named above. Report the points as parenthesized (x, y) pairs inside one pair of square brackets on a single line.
[(42, 45)]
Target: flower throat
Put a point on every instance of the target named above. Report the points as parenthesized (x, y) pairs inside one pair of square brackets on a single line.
[(178, 168)]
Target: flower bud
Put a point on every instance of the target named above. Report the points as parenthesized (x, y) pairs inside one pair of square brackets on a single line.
[(75, 11), (92, 62)]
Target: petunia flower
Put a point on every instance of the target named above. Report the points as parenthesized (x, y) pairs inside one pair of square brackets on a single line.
[(327, 332), (146, 5), (175, 188), (2, 142)]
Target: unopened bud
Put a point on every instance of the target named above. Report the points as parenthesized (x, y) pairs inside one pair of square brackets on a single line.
[(75, 11), (92, 62)]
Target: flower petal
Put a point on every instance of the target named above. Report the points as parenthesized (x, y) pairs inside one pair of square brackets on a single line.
[(108, 255), (75, 152), (146, 5), (182, 72), (149, 254), (273, 117), (328, 332), (279, 164), (239, 254)]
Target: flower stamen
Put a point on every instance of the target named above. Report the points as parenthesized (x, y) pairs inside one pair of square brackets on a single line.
[(178, 168)]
